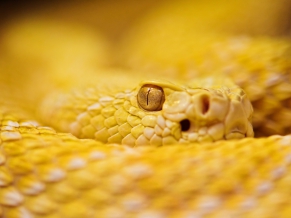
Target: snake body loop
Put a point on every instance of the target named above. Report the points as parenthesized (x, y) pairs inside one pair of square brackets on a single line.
[(172, 131)]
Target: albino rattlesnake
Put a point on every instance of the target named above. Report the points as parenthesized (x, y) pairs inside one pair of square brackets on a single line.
[(47, 173)]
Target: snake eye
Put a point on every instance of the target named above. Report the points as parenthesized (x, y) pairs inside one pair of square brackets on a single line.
[(151, 97)]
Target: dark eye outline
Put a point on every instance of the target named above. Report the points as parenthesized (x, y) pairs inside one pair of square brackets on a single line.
[(157, 105)]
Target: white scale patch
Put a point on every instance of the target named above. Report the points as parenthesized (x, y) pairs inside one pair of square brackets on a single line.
[(286, 140), (106, 99), (192, 137), (278, 172), (134, 203), (76, 163), (264, 187), (95, 106), (6, 136), (24, 213), (118, 183), (29, 124), (161, 121), (249, 203), (12, 198), (55, 175), (209, 204), (149, 132), (35, 189), (8, 128), (13, 123), (139, 171), (97, 155), (288, 159), (166, 132)]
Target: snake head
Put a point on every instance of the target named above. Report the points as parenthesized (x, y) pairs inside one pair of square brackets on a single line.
[(196, 113), (154, 113)]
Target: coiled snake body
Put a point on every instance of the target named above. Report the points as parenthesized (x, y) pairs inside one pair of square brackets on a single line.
[(154, 145)]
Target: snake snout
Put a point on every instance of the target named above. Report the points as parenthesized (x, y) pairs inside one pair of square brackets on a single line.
[(208, 114), (203, 106)]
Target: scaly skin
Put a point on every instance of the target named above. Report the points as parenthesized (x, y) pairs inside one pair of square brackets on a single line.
[(46, 173), (215, 109), (261, 66), (49, 174)]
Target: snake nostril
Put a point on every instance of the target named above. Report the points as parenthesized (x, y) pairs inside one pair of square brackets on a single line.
[(205, 103), (185, 125)]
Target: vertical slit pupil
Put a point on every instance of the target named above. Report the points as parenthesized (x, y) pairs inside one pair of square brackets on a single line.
[(148, 96), (185, 125)]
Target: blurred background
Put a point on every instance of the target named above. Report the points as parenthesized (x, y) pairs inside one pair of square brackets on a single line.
[(48, 44), (113, 16), (110, 16), (67, 37), (116, 19)]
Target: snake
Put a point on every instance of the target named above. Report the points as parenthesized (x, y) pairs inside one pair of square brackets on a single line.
[(199, 131)]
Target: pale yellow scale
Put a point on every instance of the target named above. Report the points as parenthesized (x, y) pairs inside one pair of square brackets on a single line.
[(126, 145), (49, 174), (46, 173)]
